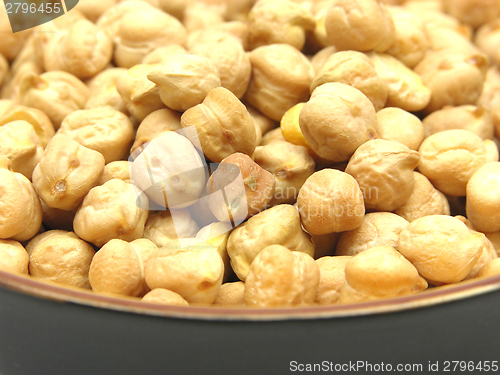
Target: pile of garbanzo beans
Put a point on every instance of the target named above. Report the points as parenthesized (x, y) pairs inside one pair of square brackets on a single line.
[(253, 153)]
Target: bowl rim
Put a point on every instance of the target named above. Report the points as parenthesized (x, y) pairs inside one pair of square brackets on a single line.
[(434, 296)]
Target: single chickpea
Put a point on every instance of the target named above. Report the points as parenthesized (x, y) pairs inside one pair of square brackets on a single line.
[(20, 211), (405, 88), (104, 129), (165, 226), (103, 91), (66, 173), (330, 201), (93, 9), (170, 171), (39, 121), (490, 96), (456, 39), (56, 93), (384, 172), (377, 229), (278, 225), (160, 54), (155, 124), (281, 77), (200, 15), (21, 145), (377, 273), (217, 33), (192, 269), (271, 136), (82, 50), (141, 96), (231, 61), (239, 188), (290, 165), (12, 88), (450, 158), (13, 257), (165, 297), (279, 277), (231, 294), (54, 218), (398, 125), (472, 12), (453, 77), (185, 80), (141, 31), (223, 125), (116, 169), (483, 203), (411, 42), (442, 248), (4, 69), (354, 69), (488, 40), (487, 255), (332, 278), (271, 22), (118, 267), (113, 210), (425, 200), (476, 119), (360, 25), (61, 257), (490, 269), (337, 120)]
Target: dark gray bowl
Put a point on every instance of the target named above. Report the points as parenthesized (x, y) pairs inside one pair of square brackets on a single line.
[(52, 330)]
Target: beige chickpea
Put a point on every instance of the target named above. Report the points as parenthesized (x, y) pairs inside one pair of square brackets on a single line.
[(384, 172), (143, 30), (488, 40), (118, 267), (20, 211), (239, 188), (290, 165), (405, 88), (223, 125), (55, 93), (4, 69), (354, 69), (54, 218), (262, 121), (425, 200), (231, 60), (216, 34), (281, 77), (454, 77), (377, 229), (113, 210), (487, 255), (82, 50), (398, 125), (61, 257), (39, 121), (200, 15), (165, 226), (442, 248), (185, 80), (66, 173), (93, 9), (231, 294), (13, 257), (154, 124), (321, 57), (325, 244), (472, 12), (379, 272), (483, 203), (411, 42), (492, 152), (450, 158), (103, 90), (494, 238), (332, 278), (271, 136), (194, 270), (160, 54), (116, 169), (21, 145), (490, 269), (279, 277), (164, 297), (457, 38), (278, 225), (337, 120), (170, 171), (104, 129), (141, 96), (360, 25), (11, 89), (330, 201), (476, 119), (271, 22)]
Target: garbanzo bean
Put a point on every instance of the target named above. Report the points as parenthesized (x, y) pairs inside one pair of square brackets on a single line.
[(398, 125), (165, 226), (332, 278), (103, 90), (164, 297), (116, 169), (13, 257), (231, 294)]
